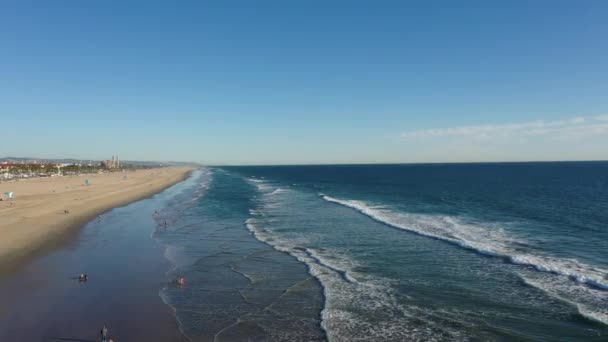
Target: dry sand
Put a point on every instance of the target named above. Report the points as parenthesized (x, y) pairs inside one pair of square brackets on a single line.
[(36, 217)]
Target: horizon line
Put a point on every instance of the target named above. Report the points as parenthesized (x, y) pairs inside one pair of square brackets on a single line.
[(417, 163), (328, 164)]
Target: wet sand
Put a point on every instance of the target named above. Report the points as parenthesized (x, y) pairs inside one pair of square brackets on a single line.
[(44, 301), (36, 218)]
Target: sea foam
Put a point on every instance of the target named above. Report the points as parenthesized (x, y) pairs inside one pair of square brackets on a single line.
[(582, 285), (588, 302), (494, 242), (349, 302), (350, 298)]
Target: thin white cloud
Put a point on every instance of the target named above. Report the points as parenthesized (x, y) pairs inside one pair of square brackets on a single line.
[(576, 126)]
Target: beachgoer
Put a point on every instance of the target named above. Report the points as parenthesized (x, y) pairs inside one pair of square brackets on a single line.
[(104, 334)]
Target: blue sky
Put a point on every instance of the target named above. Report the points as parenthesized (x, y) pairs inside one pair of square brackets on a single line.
[(281, 82)]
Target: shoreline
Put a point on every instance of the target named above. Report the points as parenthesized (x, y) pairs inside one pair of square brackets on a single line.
[(41, 236), (43, 300), (237, 287)]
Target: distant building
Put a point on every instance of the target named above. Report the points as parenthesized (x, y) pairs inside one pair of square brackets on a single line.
[(113, 163), (5, 167)]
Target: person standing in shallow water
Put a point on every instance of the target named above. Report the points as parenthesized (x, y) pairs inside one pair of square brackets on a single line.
[(104, 334)]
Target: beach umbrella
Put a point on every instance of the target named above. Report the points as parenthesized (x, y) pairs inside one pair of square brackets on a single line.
[(87, 182)]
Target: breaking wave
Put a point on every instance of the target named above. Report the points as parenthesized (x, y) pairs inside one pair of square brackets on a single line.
[(480, 239), (358, 307), (495, 242)]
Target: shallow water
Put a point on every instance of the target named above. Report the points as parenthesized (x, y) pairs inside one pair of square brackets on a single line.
[(237, 288), (443, 252)]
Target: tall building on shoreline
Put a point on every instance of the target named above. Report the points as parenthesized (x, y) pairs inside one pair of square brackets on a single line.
[(113, 163)]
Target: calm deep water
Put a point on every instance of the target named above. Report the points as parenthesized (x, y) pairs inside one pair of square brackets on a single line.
[(444, 252)]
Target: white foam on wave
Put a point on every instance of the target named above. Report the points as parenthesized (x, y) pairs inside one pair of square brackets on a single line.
[(496, 242), (277, 191), (342, 266), (484, 240), (588, 302), (357, 307), (202, 187), (254, 212), (263, 187), (261, 184), (571, 268), (173, 252), (350, 303)]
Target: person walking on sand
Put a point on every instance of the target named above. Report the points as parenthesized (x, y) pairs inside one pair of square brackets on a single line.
[(104, 334)]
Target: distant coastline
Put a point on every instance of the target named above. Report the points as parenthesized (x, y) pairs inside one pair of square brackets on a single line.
[(45, 211)]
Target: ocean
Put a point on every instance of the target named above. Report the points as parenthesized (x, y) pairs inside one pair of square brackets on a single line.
[(437, 252)]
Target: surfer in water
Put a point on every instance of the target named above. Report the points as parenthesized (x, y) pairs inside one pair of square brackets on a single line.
[(83, 277)]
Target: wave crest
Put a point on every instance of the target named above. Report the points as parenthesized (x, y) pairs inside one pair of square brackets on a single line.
[(483, 240)]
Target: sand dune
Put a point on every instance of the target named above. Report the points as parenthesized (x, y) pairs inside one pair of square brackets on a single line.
[(36, 216)]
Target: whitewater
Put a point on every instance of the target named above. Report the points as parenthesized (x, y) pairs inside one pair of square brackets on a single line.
[(495, 242), (390, 253)]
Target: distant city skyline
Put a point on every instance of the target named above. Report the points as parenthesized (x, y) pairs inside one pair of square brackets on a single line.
[(315, 82)]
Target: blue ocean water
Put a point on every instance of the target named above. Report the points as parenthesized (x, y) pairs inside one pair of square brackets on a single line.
[(455, 252)]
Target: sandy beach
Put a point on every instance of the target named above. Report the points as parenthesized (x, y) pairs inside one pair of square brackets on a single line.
[(42, 299), (37, 218)]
